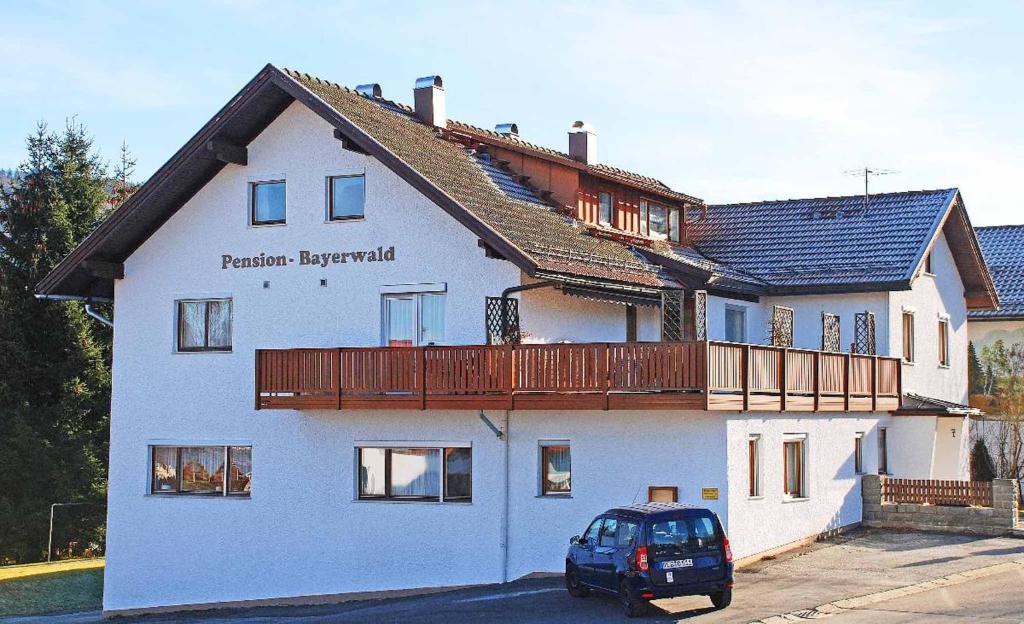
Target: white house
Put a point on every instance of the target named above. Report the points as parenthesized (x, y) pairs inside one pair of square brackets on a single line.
[(299, 410)]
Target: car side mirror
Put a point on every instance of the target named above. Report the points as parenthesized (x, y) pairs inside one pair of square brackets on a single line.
[(574, 540)]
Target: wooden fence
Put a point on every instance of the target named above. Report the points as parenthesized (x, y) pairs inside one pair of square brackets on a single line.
[(932, 492)]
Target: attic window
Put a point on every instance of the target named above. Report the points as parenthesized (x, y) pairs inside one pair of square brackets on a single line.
[(605, 204), (267, 202), (928, 264)]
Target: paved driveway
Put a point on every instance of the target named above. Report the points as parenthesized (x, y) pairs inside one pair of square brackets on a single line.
[(862, 563)]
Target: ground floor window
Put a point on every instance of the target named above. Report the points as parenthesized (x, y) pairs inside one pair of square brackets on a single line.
[(858, 453), (754, 465), (430, 474), (794, 458), (201, 470), (555, 469), (883, 450)]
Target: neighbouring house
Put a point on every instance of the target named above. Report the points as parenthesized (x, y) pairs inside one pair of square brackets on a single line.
[(997, 352), (362, 346)]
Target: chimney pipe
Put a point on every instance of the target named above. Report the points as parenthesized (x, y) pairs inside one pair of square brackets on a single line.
[(507, 129), (369, 90), (428, 101), (583, 142)]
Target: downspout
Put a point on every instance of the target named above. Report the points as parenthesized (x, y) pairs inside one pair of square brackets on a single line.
[(88, 305), (505, 505), (515, 289)]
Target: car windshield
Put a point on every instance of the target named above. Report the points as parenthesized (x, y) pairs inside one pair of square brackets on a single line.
[(683, 535)]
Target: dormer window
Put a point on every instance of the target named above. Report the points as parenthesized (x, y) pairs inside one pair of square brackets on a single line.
[(604, 201), (659, 221), (267, 202)]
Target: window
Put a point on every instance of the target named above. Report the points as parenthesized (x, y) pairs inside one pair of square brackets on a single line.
[(428, 474), (268, 202), (658, 221), (908, 336), (673, 225), (943, 342), (928, 264), (626, 533), (200, 470), (414, 319), (858, 453), (645, 213), (345, 197), (609, 533), (831, 332), (883, 450), (735, 323), (555, 469), (593, 531), (754, 465), (604, 201), (204, 325), (793, 458), (662, 494)]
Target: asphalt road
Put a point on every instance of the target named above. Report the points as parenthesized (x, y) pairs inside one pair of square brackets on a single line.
[(862, 563)]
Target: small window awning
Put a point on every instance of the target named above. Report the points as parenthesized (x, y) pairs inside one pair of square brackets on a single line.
[(917, 405)]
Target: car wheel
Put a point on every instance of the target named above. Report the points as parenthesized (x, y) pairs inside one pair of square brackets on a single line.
[(573, 584), (721, 599), (631, 605)]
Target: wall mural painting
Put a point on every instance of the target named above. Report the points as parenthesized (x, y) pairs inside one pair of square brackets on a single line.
[(996, 382)]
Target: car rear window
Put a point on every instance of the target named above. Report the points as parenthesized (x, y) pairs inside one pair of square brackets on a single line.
[(683, 534)]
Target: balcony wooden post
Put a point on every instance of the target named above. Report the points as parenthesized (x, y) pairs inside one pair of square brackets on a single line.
[(513, 369), (816, 379), (874, 383), (340, 377), (846, 381), (257, 379), (746, 377), (423, 377), (782, 379), (899, 384), (705, 349)]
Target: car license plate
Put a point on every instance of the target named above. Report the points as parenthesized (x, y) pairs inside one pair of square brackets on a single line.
[(680, 563)]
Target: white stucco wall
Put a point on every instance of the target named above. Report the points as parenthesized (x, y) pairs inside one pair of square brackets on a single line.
[(952, 449)]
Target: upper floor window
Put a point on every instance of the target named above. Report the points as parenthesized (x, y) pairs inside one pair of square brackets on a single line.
[(943, 342), (414, 319), (658, 221), (204, 325), (735, 323), (604, 201), (928, 264), (201, 470), (645, 214), (268, 202), (908, 336), (346, 196)]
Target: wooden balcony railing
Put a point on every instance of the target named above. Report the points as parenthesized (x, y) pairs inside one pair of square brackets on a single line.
[(638, 375)]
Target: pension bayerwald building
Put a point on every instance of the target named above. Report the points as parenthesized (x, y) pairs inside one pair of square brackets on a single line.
[(361, 346)]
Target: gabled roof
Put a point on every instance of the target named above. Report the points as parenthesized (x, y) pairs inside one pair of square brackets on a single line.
[(537, 238), (1003, 246), (837, 244)]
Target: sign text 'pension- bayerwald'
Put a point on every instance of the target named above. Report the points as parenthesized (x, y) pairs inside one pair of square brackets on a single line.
[(307, 258)]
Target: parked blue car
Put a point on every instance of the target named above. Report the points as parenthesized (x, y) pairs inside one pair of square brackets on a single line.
[(654, 550)]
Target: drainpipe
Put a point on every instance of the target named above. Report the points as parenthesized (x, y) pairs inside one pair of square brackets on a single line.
[(88, 305), (514, 289), (505, 506)]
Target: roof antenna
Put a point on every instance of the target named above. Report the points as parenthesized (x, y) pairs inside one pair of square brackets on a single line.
[(867, 172)]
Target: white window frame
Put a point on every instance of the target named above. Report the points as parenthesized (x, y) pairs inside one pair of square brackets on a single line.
[(913, 335), (611, 209), (756, 486), (944, 342), (805, 490), (541, 445), (732, 307), (416, 294)]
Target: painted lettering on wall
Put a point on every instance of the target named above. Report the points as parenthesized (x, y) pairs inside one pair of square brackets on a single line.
[(308, 258)]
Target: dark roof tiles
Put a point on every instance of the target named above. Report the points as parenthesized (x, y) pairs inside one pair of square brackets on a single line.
[(1003, 247)]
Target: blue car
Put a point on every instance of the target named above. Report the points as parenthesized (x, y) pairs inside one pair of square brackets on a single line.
[(654, 550)]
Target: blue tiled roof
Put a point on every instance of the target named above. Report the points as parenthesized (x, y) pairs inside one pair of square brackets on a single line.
[(1003, 247), (829, 242)]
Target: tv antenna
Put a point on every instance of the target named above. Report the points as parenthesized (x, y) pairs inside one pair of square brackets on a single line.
[(867, 172)]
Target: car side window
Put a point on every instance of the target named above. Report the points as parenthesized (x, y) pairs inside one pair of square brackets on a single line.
[(626, 534), (608, 532), (591, 535)]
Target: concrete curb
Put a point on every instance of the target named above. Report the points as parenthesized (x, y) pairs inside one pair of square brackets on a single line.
[(848, 604)]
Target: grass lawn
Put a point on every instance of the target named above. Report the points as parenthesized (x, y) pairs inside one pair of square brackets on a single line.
[(47, 587)]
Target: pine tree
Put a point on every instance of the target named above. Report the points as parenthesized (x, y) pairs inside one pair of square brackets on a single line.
[(975, 374), (54, 371)]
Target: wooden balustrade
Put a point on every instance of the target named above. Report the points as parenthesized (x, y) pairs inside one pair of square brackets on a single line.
[(932, 492), (639, 375)]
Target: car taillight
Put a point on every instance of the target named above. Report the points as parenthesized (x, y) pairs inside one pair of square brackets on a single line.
[(728, 551), (641, 559)]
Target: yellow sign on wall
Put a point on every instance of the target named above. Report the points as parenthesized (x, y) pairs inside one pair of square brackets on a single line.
[(709, 493)]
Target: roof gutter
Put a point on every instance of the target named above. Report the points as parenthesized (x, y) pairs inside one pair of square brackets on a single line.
[(91, 311)]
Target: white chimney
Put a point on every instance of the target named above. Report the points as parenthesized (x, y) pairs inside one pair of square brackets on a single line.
[(428, 101), (583, 142)]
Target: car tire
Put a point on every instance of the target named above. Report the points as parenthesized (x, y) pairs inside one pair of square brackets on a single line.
[(631, 605), (721, 599), (572, 583)]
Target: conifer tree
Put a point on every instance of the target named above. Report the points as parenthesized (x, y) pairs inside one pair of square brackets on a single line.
[(54, 371)]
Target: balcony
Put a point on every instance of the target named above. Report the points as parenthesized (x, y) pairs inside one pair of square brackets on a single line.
[(696, 375)]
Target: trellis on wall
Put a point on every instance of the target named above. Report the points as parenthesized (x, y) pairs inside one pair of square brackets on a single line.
[(672, 325), (831, 333), (864, 333), (700, 314), (502, 328), (780, 327)]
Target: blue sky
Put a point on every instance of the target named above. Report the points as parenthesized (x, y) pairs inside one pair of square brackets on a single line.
[(728, 102)]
